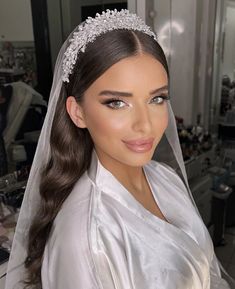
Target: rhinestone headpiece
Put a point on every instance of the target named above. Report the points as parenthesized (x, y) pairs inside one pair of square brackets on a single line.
[(89, 30)]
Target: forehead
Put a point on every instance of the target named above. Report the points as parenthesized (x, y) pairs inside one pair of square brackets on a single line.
[(140, 72)]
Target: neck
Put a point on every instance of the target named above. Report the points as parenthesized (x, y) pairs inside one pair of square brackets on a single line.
[(132, 178)]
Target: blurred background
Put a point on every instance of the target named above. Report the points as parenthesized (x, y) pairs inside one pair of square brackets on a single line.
[(198, 38)]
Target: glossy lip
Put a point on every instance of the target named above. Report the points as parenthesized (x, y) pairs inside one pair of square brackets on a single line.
[(139, 146)]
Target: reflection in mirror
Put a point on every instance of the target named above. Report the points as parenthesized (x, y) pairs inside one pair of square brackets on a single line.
[(22, 110), (18, 77)]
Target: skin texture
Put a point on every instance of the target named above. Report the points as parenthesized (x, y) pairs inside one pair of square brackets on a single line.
[(142, 115)]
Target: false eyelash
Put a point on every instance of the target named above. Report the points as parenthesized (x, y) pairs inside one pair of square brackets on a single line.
[(166, 97), (108, 101)]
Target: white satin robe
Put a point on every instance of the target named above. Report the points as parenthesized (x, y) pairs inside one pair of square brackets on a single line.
[(103, 238)]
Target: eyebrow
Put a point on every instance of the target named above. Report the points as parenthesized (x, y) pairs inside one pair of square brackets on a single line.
[(121, 93)]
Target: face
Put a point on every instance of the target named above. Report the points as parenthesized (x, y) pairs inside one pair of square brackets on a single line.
[(125, 110)]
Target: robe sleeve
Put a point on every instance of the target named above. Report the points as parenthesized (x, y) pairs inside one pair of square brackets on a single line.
[(67, 260)]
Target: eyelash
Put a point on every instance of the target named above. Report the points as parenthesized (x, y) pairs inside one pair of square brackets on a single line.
[(113, 100)]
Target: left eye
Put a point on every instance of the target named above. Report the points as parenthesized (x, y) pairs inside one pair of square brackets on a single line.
[(158, 99)]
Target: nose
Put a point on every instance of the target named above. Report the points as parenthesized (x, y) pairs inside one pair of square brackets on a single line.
[(142, 119)]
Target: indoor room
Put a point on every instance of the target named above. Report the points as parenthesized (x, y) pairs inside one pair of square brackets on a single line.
[(190, 153)]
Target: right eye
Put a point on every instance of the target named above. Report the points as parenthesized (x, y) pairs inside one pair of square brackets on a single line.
[(114, 103)]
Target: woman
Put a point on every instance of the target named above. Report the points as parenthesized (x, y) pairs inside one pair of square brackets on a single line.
[(107, 216)]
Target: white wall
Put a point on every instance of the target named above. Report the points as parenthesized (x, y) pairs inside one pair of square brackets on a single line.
[(229, 44), (16, 20)]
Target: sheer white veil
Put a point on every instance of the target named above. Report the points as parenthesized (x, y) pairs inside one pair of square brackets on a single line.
[(31, 200), (169, 146)]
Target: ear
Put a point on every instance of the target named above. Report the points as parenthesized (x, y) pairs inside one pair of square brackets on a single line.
[(75, 112)]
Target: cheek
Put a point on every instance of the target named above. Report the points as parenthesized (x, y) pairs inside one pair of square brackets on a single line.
[(165, 120), (160, 119), (105, 124)]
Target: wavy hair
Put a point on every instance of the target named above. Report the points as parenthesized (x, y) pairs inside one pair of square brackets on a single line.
[(71, 146)]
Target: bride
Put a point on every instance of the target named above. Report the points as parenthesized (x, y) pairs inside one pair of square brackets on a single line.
[(98, 211)]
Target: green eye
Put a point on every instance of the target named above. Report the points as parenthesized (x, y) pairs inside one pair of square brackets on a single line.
[(160, 99), (114, 103), (117, 104)]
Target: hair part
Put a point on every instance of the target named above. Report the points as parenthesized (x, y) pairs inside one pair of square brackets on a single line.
[(70, 146)]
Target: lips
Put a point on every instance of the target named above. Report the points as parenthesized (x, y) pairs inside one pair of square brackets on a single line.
[(139, 141), (140, 145)]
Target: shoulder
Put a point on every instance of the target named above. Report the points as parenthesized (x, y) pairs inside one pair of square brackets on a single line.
[(69, 241), (80, 193), (74, 212)]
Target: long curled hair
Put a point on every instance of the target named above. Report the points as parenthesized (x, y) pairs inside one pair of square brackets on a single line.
[(71, 146)]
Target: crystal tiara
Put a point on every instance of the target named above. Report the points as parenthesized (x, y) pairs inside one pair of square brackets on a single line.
[(87, 32)]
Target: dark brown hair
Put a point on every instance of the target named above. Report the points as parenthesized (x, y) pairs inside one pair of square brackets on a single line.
[(71, 146)]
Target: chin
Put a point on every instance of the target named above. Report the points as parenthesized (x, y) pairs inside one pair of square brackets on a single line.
[(138, 159)]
